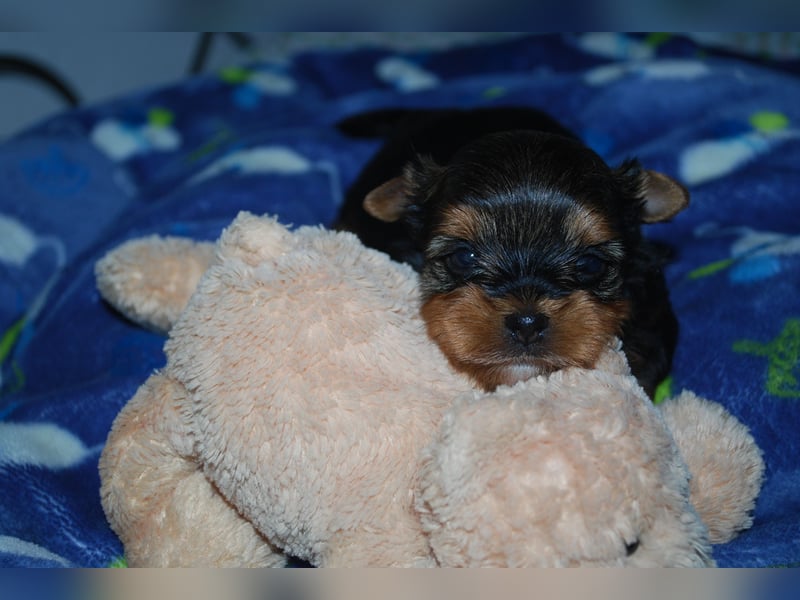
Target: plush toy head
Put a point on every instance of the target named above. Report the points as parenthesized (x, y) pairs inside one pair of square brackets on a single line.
[(303, 411)]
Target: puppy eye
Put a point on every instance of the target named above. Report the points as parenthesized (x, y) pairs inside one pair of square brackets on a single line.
[(462, 262), (630, 549), (589, 267)]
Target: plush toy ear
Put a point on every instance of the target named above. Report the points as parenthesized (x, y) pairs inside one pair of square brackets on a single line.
[(663, 197), (254, 239), (391, 200)]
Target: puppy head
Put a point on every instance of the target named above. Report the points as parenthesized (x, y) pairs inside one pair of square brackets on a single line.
[(529, 239)]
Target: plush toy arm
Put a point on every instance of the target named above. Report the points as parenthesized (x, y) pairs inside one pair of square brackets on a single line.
[(158, 500), (150, 280), (725, 462)]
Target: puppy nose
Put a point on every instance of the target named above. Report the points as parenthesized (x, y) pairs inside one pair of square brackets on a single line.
[(527, 327)]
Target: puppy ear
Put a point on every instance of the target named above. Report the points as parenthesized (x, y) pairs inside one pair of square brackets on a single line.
[(663, 197), (390, 201)]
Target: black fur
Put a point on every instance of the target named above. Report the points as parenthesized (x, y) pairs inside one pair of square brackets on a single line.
[(436, 134), (522, 172)]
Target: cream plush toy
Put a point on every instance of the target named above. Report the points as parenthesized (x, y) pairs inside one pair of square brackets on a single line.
[(304, 412)]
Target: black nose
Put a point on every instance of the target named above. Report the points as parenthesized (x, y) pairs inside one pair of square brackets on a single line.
[(525, 327)]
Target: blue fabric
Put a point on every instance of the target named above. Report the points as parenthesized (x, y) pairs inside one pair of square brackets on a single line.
[(185, 159)]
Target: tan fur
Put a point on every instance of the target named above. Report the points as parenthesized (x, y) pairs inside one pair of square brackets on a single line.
[(581, 326), (585, 227), (303, 411), (388, 201), (469, 327), (588, 228), (663, 197), (462, 222)]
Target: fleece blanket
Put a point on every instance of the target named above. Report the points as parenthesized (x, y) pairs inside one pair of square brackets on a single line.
[(184, 159)]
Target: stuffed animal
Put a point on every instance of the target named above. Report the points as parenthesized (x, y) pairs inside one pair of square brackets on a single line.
[(303, 412)]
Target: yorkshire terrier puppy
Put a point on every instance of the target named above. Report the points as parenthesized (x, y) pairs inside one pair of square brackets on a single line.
[(528, 245)]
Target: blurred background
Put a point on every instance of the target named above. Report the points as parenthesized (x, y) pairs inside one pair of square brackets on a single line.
[(97, 66), (44, 72)]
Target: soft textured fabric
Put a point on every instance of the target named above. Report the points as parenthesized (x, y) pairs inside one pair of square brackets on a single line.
[(185, 159), (303, 411)]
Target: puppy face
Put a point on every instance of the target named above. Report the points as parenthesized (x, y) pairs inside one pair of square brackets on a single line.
[(529, 240)]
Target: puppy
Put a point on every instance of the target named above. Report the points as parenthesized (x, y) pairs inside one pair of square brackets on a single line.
[(528, 245)]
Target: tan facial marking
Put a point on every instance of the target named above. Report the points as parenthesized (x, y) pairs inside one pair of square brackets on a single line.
[(461, 222), (587, 227), (469, 327)]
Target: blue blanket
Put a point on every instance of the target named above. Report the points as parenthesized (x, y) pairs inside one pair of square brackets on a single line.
[(185, 159)]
